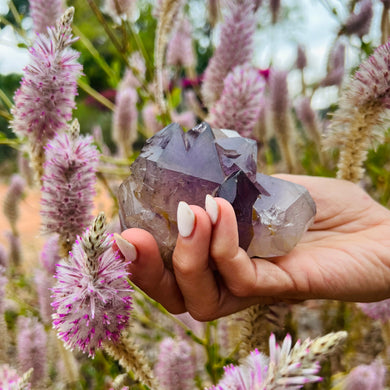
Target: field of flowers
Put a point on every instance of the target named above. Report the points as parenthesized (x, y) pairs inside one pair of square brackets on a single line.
[(102, 78)]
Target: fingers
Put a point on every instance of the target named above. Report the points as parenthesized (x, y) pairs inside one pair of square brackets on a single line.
[(207, 295), (148, 271), (191, 261), (245, 277)]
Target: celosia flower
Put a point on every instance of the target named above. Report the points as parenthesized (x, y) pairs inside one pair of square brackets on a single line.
[(15, 248), (240, 102), (280, 112), (92, 298), (134, 76), (175, 368), (309, 120), (285, 368), (180, 51), (359, 22), (274, 6), (120, 8), (3, 282), (301, 61), (186, 119), (31, 348), (361, 117), (336, 70), (125, 121), (366, 377), (235, 48), (12, 199), (45, 99), (68, 185), (44, 282), (45, 13), (377, 310), (3, 257), (251, 374), (10, 380), (50, 254), (149, 117)]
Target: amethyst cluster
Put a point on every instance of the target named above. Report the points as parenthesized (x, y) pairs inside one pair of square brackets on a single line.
[(272, 214)]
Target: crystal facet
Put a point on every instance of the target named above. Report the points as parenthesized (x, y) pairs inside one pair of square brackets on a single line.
[(272, 214)]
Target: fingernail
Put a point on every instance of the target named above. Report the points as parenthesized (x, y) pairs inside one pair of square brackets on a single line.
[(212, 208), (128, 250), (185, 219)]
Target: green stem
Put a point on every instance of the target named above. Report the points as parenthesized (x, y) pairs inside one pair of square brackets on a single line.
[(160, 308), (15, 12), (5, 99), (108, 30), (96, 55)]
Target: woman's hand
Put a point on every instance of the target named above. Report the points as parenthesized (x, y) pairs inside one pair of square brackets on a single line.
[(345, 255)]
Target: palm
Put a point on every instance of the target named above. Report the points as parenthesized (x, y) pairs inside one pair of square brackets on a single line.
[(345, 254)]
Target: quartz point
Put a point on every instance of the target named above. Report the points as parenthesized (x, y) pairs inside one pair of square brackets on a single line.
[(272, 214)]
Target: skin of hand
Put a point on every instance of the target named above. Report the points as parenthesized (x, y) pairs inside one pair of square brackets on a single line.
[(345, 255)]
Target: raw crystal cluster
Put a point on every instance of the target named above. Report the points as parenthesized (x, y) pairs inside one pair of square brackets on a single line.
[(272, 214)]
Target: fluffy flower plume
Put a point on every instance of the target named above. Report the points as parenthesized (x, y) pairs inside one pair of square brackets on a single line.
[(274, 6), (12, 200), (235, 48), (9, 379), (286, 367), (3, 257), (240, 103), (366, 377), (180, 51), (92, 298), (359, 22), (376, 310), (3, 282), (175, 368), (45, 13), (31, 347), (361, 117), (125, 121), (186, 119), (46, 97), (281, 116), (310, 120), (50, 256), (149, 117), (120, 8), (44, 282), (68, 185), (301, 61), (336, 70)]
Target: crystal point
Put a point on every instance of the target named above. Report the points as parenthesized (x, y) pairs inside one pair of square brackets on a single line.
[(272, 214)]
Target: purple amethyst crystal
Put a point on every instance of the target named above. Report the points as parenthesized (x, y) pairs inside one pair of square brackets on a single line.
[(272, 214)]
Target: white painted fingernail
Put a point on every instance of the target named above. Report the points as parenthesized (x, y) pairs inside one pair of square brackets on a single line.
[(212, 208), (185, 219), (128, 250)]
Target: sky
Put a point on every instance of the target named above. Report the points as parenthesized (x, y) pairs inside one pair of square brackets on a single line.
[(310, 24)]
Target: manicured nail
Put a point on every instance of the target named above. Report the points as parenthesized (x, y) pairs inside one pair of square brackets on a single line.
[(128, 250), (212, 208), (185, 219)]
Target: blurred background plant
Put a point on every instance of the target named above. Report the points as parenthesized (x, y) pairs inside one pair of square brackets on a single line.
[(126, 69)]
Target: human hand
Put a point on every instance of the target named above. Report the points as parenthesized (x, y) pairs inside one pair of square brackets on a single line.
[(345, 255)]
